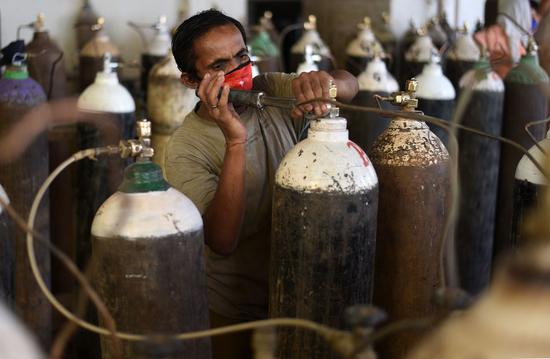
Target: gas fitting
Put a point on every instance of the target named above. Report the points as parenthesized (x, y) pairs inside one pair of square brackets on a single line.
[(406, 99), (140, 147)]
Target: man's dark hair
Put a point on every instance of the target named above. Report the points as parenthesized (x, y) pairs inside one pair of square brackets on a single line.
[(193, 28)]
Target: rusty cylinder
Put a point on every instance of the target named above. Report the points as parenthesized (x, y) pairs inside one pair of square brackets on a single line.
[(148, 262), (91, 55), (86, 19), (323, 234), (524, 101), (21, 180), (168, 102), (478, 168), (413, 169), (46, 63)]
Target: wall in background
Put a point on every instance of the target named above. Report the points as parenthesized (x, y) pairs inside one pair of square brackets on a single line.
[(402, 11), (61, 14)]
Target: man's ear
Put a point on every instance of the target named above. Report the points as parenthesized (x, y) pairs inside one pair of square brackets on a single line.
[(189, 81)]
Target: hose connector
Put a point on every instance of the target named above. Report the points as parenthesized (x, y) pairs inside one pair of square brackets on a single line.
[(406, 99), (140, 147)]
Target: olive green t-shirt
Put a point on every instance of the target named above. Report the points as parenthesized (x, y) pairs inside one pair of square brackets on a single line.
[(238, 283)]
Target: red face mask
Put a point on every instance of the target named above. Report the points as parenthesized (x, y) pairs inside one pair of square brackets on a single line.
[(240, 78)]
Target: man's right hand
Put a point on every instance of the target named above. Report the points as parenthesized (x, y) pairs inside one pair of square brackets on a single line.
[(220, 110)]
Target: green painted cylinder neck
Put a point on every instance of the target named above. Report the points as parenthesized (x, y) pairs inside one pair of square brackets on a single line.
[(16, 72), (528, 71), (143, 176)]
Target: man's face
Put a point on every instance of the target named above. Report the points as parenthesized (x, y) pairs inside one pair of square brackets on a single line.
[(220, 49)]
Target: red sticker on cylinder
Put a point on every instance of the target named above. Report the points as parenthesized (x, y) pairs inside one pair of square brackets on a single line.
[(361, 153)]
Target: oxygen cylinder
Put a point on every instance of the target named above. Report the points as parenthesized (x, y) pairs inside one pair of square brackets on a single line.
[(265, 51), (528, 186), (86, 19), (157, 49), (478, 168), (363, 48), (509, 321), (436, 32), (462, 56), (364, 128), (417, 56), (312, 38), (148, 259), (310, 61), (46, 64), (263, 45), (168, 102), (22, 179), (413, 170), (388, 41), (97, 180), (524, 102), (91, 55), (436, 95), (7, 254), (323, 234)]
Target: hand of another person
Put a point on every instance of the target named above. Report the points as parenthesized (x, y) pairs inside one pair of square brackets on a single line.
[(219, 109), (308, 86), (495, 40)]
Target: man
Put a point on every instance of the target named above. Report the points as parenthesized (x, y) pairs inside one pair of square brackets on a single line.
[(224, 159)]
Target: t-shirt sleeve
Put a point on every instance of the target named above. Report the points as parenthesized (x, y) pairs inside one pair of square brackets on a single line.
[(188, 171), (279, 84)]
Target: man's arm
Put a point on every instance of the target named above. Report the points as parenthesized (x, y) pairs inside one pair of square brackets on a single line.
[(224, 216)]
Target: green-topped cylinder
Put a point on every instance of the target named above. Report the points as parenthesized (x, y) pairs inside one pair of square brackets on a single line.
[(20, 94), (147, 246), (524, 102), (266, 52)]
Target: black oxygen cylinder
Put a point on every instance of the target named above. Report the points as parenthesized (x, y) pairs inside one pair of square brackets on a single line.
[(86, 19), (362, 49), (416, 56), (7, 254), (21, 180), (323, 235), (529, 185), (310, 37), (478, 168), (148, 261), (462, 57), (97, 180), (364, 128), (436, 95), (524, 102), (91, 55)]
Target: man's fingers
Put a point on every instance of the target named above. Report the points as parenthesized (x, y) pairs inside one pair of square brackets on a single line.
[(201, 91), (214, 91)]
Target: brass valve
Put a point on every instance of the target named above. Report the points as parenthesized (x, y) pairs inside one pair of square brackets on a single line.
[(406, 99), (365, 24), (99, 25), (311, 23), (141, 147)]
